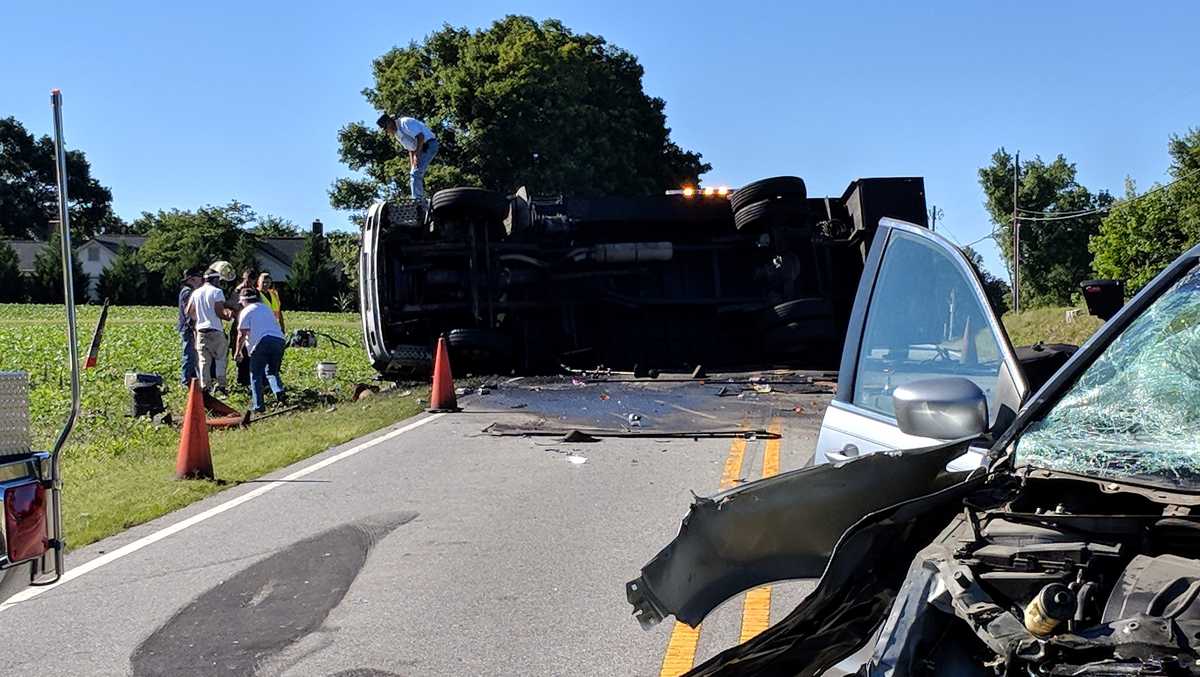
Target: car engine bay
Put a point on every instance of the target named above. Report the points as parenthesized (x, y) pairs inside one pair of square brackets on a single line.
[(1051, 575)]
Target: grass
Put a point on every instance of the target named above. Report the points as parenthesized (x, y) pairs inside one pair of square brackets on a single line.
[(118, 470), (1049, 325)]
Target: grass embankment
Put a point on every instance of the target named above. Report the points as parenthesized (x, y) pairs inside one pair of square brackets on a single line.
[(118, 471), (1049, 325)]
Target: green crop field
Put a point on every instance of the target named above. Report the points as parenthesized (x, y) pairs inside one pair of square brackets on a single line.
[(117, 469)]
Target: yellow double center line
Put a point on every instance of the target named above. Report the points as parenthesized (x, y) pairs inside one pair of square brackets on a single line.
[(756, 609)]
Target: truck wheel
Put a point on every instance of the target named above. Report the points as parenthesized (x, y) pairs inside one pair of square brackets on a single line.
[(769, 213), (480, 349), (791, 188), (490, 204)]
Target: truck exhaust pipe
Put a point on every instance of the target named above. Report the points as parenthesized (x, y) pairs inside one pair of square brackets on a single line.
[(64, 221)]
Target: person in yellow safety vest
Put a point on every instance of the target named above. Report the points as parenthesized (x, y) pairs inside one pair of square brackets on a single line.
[(266, 289)]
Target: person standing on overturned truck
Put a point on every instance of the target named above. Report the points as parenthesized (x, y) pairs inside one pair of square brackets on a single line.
[(187, 326), (260, 338), (207, 308), (418, 140)]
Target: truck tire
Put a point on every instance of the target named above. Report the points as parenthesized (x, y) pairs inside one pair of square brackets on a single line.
[(791, 188), (489, 204), (480, 350), (768, 213)]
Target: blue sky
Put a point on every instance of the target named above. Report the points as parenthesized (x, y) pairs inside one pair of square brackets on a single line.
[(179, 105)]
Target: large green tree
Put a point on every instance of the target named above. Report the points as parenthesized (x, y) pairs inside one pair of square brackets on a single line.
[(344, 250), (275, 226), (12, 282), (178, 240), (1054, 253), (517, 103), (29, 192), (312, 282), (1143, 233)]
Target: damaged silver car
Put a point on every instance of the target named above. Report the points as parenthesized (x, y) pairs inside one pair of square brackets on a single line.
[(1072, 549)]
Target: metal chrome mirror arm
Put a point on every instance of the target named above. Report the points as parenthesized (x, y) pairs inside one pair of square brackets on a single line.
[(64, 220)]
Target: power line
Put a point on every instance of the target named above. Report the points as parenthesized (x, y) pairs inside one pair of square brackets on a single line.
[(1076, 215)]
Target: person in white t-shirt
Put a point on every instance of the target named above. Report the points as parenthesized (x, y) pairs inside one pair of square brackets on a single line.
[(417, 138), (260, 337), (207, 308)]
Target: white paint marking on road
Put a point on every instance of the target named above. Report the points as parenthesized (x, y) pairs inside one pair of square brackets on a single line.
[(130, 548), (691, 411)]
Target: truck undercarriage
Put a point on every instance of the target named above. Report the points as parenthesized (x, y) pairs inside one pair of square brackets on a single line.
[(765, 275)]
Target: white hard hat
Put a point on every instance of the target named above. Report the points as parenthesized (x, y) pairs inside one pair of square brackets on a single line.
[(224, 269)]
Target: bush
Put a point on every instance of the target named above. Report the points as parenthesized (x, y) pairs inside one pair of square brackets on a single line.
[(312, 283), (125, 282), (12, 283), (45, 283)]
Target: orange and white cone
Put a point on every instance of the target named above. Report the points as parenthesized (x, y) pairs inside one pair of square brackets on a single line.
[(442, 399), (194, 460)]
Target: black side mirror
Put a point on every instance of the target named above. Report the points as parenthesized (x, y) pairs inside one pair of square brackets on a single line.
[(941, 408)]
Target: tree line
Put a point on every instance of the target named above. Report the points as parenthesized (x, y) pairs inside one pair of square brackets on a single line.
[(1070, 233)]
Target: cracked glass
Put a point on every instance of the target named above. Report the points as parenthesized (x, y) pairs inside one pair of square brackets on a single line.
[(1134, 414)]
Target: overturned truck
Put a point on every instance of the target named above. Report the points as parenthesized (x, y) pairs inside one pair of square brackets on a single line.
[(757, 276)]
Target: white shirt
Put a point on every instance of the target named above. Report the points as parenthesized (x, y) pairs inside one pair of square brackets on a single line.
[(259, 320), (205, 300), (408, 129)]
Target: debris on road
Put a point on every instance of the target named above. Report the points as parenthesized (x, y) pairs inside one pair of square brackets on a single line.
[(510, 430), (577, 460), (580, 437)]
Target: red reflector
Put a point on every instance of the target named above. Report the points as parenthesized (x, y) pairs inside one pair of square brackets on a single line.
[(25, 521)]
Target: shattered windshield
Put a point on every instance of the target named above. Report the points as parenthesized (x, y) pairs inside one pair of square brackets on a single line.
[(1135, 412)]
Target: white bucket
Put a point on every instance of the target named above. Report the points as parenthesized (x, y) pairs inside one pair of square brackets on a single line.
[(326, 371)]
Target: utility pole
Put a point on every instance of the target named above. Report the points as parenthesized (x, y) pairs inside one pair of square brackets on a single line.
[(1016, 228), (934, 214)]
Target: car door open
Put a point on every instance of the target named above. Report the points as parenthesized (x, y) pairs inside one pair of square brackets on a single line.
[(920, 314)]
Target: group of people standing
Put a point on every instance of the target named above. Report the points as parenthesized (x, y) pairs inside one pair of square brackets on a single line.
[(255, 334)]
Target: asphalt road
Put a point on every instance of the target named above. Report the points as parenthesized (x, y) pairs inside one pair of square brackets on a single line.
[(430, 548)]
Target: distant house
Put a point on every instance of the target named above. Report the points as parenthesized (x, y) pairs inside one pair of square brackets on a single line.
[(98, 253), (274, 255)]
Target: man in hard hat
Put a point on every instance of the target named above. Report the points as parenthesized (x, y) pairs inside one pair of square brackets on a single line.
[(187, 326), (207, 308), (418, 140)]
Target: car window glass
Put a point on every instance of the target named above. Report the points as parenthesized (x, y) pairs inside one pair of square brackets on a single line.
[(1132, 414), (925, 320)]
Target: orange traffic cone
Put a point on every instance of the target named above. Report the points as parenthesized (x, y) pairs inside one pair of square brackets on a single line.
[(442, 398), (194, 460)]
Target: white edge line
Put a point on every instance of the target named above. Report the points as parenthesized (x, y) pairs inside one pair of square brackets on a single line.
[(130, 548)]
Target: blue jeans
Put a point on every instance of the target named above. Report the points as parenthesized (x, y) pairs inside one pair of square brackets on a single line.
[(416, 177), (188, 372), (264, 366)]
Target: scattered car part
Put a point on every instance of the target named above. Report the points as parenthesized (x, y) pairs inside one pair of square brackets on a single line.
[(751, 534), (1103, 297)]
